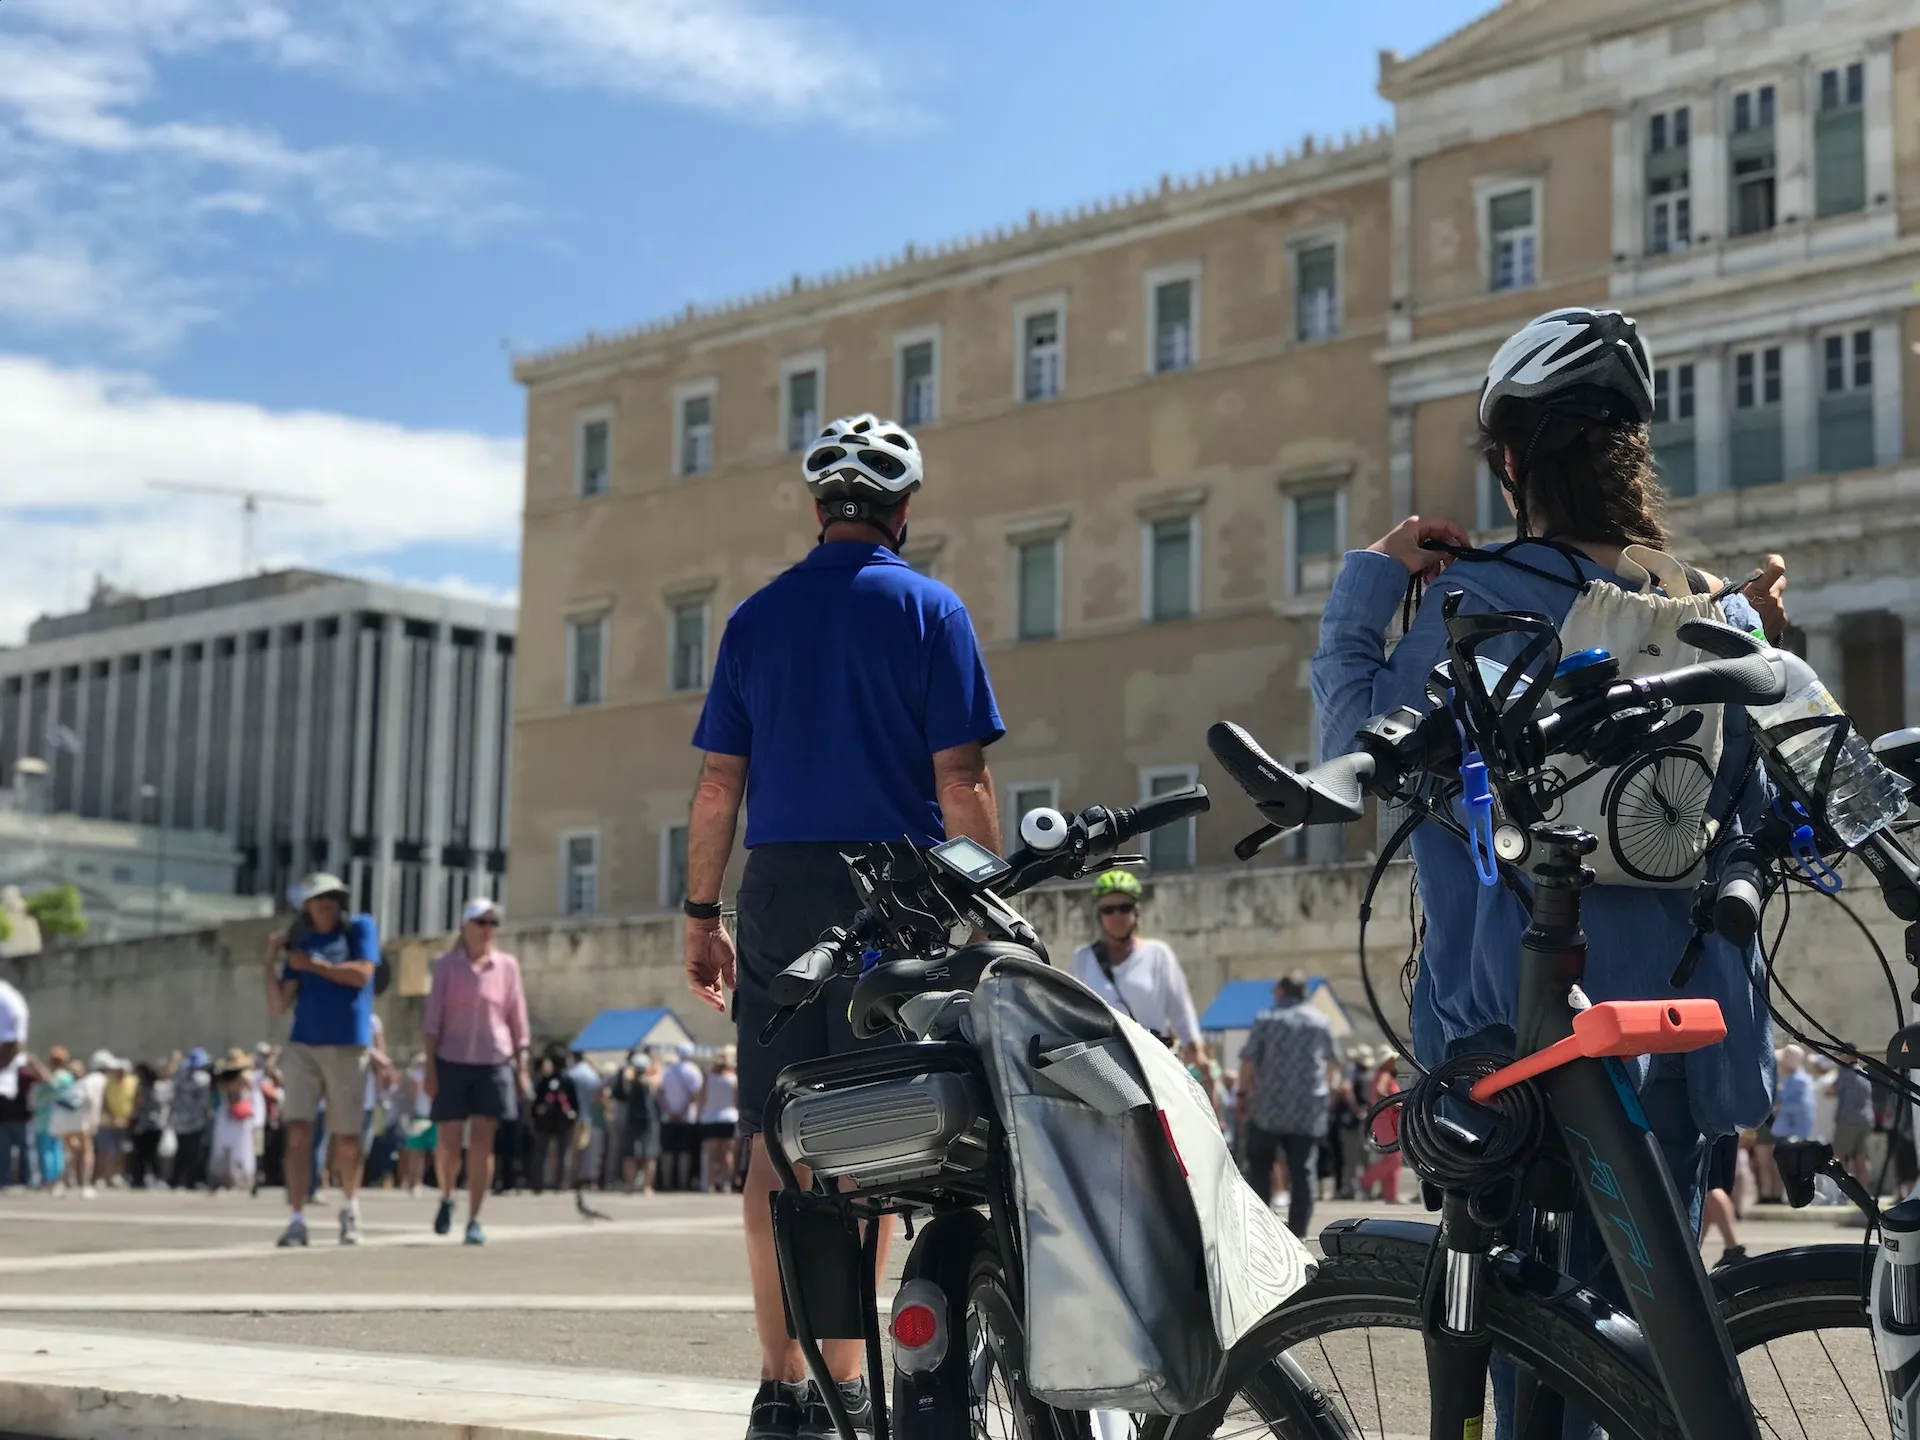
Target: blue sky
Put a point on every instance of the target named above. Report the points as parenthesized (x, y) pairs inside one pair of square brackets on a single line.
[(288, 243)]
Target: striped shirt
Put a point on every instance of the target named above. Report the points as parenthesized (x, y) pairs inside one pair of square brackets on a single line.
[(476, 1014)]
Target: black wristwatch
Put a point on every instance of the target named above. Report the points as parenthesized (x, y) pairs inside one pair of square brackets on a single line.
[(697, 911)]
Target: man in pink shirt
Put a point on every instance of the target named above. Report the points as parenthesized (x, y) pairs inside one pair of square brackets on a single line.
[(476, 1034)]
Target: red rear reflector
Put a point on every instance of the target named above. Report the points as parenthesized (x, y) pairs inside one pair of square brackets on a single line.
[(915, 1326)]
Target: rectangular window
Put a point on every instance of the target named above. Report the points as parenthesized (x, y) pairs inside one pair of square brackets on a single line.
[(803, 408), (580, 873), (1040, 356), (917, 396), (1754, 440), (1316, 296), (1669, 203), (1039, 599), (595, 442), (1515, 239), (1316, 541), (586, 661), (696, 434), (1673, 428), (1750, 154), (1846, 401), (1171, 572), (1840, 142), (1173, 325), (1172, 846), (673, 866), (690, 645), (1025, 798)]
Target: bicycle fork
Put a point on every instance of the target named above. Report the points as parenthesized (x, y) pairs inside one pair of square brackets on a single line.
[(1895, 1313), (1458, 1346)]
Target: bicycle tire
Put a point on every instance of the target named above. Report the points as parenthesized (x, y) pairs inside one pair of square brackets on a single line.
[(1807, 1290), (1382, 1288), (996, 1340)]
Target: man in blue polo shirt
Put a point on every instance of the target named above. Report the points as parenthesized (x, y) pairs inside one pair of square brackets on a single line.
[(323, 971), (849, 704)]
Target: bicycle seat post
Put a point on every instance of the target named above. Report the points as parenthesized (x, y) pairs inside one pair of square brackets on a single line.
[(1554, 948)]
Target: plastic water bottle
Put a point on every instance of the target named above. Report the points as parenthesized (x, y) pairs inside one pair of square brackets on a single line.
[(1863, 796)]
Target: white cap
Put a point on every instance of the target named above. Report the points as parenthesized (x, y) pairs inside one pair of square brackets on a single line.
[(479, 908), (313, 886), (102, 1060)]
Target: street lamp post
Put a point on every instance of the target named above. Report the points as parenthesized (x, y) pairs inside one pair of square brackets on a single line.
[(152, 792)]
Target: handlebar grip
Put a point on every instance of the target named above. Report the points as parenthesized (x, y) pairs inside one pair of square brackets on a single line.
[(796, 984), (1751, 680), (1160, 810), (1264, 778)]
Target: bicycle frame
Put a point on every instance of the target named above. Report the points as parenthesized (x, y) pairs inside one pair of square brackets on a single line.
[(1622, 1174)]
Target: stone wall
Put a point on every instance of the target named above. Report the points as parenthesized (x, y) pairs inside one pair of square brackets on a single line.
[(148, 997)]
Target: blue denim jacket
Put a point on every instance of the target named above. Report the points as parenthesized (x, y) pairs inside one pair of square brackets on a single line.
[(1469, 966)]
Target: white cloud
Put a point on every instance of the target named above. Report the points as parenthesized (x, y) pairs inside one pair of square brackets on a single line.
[(79, 446), (115, 211), (729, 55)]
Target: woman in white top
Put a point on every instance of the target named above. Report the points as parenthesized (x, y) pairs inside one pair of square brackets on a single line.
[(1139, 978), (719, 1119)]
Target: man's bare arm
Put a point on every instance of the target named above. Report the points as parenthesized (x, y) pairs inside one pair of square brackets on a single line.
[(964, 787), (711, 823)]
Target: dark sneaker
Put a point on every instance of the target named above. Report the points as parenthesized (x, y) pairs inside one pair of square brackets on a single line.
[(778, 1409), (1732, 1255), (294, 1234), (349, 1228), (475, 1235), (818, 1424), (443, 1217)]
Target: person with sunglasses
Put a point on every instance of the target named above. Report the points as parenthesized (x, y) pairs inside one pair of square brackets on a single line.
[(477, 1043), (1140, 978)]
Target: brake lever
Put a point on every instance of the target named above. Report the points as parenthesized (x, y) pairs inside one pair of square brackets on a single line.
[(779, 1021)]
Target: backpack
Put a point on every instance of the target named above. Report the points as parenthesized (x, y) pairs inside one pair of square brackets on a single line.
[(1650, 813)]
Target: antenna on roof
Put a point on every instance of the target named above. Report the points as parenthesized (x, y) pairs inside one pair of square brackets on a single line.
[(249, 497)]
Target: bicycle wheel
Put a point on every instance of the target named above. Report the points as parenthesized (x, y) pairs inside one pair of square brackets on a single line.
[(1354, 1334), (1804, 1344), (999, 1403)]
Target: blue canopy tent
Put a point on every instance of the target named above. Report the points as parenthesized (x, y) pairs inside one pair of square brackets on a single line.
[(614, 1034), (1233, 1011)]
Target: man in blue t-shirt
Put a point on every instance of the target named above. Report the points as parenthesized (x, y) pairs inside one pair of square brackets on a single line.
[(323, 971), (849, 704)]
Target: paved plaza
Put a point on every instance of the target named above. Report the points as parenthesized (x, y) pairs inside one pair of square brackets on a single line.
[(144, 1314)]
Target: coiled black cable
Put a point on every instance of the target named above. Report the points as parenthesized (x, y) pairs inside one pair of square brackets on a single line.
[(1440, 1149)]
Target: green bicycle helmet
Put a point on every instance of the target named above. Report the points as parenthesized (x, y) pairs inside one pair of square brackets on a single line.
[(1113, 882)]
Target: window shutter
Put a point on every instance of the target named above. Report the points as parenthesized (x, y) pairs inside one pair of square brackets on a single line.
[(1839, 162)]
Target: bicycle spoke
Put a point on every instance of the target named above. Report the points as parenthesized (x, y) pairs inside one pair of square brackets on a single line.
[(1821, 1341), (1339, 1385), (1786, 1393), (1373, 1368)]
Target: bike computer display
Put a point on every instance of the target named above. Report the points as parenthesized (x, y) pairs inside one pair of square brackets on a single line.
[(970, 860)]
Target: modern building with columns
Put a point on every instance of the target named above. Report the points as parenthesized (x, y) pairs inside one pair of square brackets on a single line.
[(1154, 425), (321, 722)]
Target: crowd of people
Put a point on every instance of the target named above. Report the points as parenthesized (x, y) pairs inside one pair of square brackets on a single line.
[(193, 1121), (331, 1108)]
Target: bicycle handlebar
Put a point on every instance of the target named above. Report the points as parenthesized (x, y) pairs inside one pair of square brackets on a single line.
[(797, 983), (1090, 837)]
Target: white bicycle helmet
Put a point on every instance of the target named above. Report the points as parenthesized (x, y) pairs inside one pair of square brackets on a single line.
[(862, 461), (1567, 350)]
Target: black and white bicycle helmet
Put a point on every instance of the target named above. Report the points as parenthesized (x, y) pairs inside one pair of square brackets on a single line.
[(862, 460), (1567, 350)]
